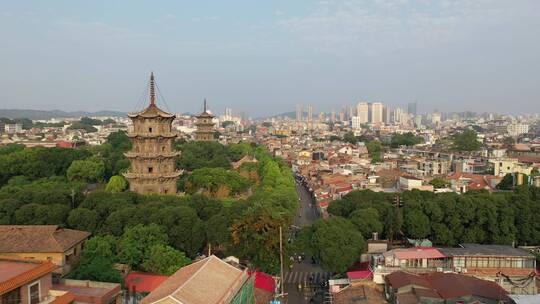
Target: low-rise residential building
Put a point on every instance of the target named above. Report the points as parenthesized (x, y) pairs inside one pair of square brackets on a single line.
[(408, 288), (207, 281), (514, 269), (51, 243), (415, 259), (24, 281), (91, 292), (503, 166), (463, 182)]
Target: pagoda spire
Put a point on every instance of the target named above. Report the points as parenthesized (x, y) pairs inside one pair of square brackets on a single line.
[(204, 106), (152, 90)]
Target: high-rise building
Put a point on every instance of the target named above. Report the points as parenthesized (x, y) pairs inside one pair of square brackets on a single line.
[(516, 129), (362, 110), (396, 117), (351, 112), (299, 113), (333, 115), (310, 117), (153, 160), (376, 113), (436, 118), (386, 114), (418, 121), (356, 123), (205, 125), (412, 108), (342, 115)]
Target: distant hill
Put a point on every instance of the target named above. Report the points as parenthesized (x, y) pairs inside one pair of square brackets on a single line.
[(291, 114), (40, 114)]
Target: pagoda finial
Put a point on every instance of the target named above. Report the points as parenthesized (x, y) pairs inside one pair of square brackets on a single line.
[(152, 90), (204, 106)]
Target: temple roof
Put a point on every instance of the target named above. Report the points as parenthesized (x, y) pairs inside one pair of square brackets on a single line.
[(205, 112), (152, 110)]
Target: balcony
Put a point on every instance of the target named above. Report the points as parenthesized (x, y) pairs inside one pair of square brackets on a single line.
[(170, 154), (384, 270), (131, 175), (151, 135)]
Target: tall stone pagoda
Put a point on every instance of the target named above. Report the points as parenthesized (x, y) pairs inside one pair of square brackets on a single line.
[(153, 160), (205, 126)]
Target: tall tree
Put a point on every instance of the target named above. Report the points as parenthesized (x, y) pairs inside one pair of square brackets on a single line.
[(466, 141), (337, 243)]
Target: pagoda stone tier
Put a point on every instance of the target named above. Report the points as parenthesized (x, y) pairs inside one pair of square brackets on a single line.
[(153, 160), (205, 126)]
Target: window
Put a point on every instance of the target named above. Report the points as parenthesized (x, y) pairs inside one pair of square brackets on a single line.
[(150, 169), (33, 291), (149, 130), (12, 297), (163, 149)]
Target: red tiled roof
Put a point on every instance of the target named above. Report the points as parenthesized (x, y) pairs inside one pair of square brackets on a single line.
[(38, 238), (264, 281), (64, 299), (359, 274), (448, 285), (323, 204), (143, 282), (30, 274), (418, 253)]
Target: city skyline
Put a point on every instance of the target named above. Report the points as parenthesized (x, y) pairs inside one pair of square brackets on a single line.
[(449, 55)]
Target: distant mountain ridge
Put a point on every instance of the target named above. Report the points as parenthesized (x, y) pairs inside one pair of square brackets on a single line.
[(42, 114), (291, 114)]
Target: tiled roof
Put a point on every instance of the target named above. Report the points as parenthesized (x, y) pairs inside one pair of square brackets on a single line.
[(143, 282), (38, 238), (31, 272), (447, 285), (151, 111), (66, 298), (417, 253), (207, 281), (468, 249)]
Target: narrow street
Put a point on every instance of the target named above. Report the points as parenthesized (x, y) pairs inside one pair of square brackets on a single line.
[(303, 282)]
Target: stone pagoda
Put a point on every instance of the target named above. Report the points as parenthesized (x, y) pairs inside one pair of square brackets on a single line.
[(153, 160), (205, 126)]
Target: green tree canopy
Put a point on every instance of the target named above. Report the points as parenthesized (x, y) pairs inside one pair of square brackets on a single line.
[(136, 242), (466, 141), (116, 184), (407, 139), (337, 243), (367, 221), (86, 170), (83, 219), (164, 260), (439, 183), (417, 224), (375, 151)]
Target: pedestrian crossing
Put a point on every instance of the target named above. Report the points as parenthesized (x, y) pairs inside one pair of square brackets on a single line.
[(296, 277)]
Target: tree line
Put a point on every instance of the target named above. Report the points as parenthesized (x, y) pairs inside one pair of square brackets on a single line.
[(447, 219), (48, 186)]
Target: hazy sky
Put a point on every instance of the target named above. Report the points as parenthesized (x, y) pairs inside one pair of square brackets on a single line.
[(264, 57)]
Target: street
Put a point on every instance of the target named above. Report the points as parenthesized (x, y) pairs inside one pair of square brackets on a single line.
[(303, 282)]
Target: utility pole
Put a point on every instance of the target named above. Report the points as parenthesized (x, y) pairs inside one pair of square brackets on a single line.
[(281, 257), (397, 205), (72, 198)]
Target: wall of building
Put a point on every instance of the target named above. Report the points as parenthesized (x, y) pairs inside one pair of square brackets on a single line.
[(45, 284)]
